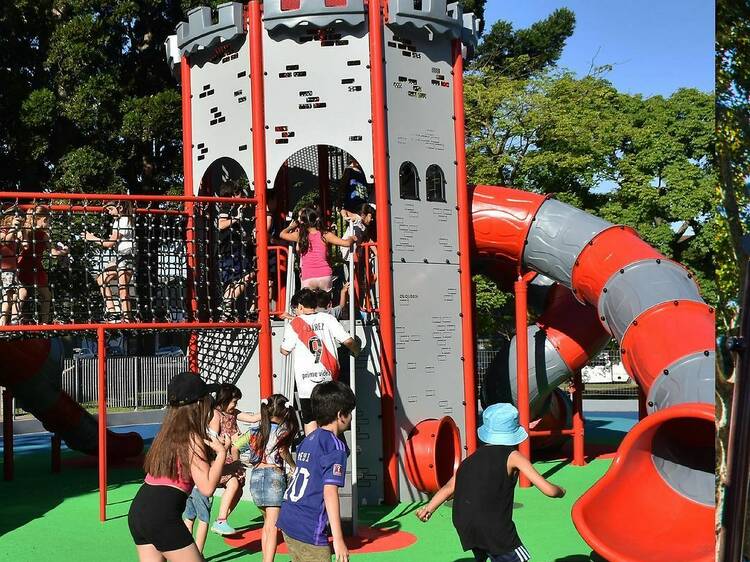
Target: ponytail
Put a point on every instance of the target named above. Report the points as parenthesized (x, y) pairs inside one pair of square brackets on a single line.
[(277, 406), (308, 218)]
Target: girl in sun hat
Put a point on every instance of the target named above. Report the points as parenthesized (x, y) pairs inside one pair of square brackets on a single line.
[(483, 488)]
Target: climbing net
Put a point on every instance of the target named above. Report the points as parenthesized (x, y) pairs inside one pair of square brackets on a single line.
[(84, 260)]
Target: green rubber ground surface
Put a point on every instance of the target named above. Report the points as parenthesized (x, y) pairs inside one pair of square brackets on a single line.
[(54, 517)]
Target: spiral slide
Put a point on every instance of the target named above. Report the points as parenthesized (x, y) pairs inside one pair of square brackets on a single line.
[(31, 371), (656, 502)]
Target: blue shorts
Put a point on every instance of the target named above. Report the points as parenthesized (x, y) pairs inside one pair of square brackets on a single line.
[(267, 486), (198, 507)]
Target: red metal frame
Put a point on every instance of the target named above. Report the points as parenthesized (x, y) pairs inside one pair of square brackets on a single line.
[(522, 367), (102, 411), (8, 462), (187, 198), (282, 253), (259, 179), (579, 435), (385, 277), (464, 262)]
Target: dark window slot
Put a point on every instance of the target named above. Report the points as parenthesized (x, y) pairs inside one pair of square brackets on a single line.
[(353, 62), (243, 147), (292, 67), (347, 80), (241, 74)]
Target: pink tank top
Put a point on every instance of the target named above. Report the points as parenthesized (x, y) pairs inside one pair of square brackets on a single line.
[(314, 263), (180, 483)]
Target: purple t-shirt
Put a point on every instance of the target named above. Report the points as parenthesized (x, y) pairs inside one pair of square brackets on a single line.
[(321, 460)]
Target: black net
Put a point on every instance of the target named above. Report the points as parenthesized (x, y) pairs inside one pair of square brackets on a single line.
[(165, 262)]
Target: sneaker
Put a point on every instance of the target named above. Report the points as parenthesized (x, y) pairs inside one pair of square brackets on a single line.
[(112, 317), (222, 528)]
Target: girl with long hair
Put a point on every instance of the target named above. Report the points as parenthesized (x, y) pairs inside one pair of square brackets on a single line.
[(271, 442), (312, 245), (181, 456)]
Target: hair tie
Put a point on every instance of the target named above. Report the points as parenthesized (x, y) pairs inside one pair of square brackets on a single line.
[(264, 402), (288, 404)]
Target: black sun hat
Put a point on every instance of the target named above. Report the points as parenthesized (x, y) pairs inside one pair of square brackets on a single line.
[(188, 387)]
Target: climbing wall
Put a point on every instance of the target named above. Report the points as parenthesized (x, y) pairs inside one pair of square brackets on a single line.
[(317, 91), (220, 109), (419, 90)]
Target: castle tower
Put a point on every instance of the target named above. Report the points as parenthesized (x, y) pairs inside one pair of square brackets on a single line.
[(383, 82)]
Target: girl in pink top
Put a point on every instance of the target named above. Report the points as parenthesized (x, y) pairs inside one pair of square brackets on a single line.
[(181, 456), (312, 245)]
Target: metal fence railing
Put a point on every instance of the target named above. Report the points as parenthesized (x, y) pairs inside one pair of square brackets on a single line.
[(604, 377), (132, 382)]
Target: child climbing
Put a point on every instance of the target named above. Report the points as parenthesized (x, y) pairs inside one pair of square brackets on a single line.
[(32, 274), (122, 239), (224, 423), (270, 443), (179, 459), (483, 489), (312, 245), (11, 242)]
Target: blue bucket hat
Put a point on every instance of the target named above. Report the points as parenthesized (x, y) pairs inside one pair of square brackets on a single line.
[(500, 426)]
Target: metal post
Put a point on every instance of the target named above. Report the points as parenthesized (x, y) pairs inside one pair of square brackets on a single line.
[(464, 235), (324, 184), (522, 370), (102, 412), (260, 181), (353, 385), (385, 267), (8, 462), (732, 534), (579, 440)]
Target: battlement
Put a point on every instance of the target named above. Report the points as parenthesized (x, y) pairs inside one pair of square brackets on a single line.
[(199, 32), (312, 13), (436, 17)]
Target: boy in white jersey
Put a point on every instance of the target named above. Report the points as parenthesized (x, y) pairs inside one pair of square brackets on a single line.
[(312, 337)]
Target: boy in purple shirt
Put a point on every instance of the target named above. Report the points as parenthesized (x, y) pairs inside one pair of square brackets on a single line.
[(311, 500)]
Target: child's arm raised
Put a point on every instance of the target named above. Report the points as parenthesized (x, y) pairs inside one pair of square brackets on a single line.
[(523, 465), (248, 417), (290, 233), (331, 500), (443, 494)]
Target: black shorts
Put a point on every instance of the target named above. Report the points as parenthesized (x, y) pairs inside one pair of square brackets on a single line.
[(155, 517), (305, 410)]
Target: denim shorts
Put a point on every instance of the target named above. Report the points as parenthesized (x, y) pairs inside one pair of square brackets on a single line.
[(198, 507), (267, 486)]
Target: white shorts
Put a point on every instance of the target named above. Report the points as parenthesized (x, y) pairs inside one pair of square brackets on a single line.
[(8, 280)]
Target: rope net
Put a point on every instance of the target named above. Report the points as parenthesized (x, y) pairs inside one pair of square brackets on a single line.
[(162, 262)]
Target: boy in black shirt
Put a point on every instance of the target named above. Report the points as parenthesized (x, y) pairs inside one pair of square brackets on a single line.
[(483, 489)]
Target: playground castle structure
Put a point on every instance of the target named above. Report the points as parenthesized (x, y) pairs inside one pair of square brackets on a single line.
[(382, 81)]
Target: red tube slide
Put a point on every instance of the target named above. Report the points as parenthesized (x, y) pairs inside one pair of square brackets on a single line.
[(28, 371), (656, 501)]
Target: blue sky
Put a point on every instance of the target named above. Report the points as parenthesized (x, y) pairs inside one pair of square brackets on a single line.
[(656, 47)]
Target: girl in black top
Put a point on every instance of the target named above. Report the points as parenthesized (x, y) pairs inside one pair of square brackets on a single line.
[(483, 488)]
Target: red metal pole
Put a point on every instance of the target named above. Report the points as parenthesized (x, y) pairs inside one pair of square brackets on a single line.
[(464, 264), (579, 438), (324, 184), (187, 166), (56, 453), (385, 275), (260, 181), (8, 462), (522, 370), (102, 411)]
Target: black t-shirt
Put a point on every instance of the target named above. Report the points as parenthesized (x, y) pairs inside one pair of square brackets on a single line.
[(483, 501)]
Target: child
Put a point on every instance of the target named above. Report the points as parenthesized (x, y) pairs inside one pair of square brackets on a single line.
[(313, 337), (316, 272), (122, 238), (224, 423), (312, 499), (235, 260), (177, 461), (198, 507), (354, 182), (483, 489), (324, 302), (31, 271), (268, 480), (11, 243)]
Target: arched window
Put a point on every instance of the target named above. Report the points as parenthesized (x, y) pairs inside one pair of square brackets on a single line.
[(408, 181), (435, 184)]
